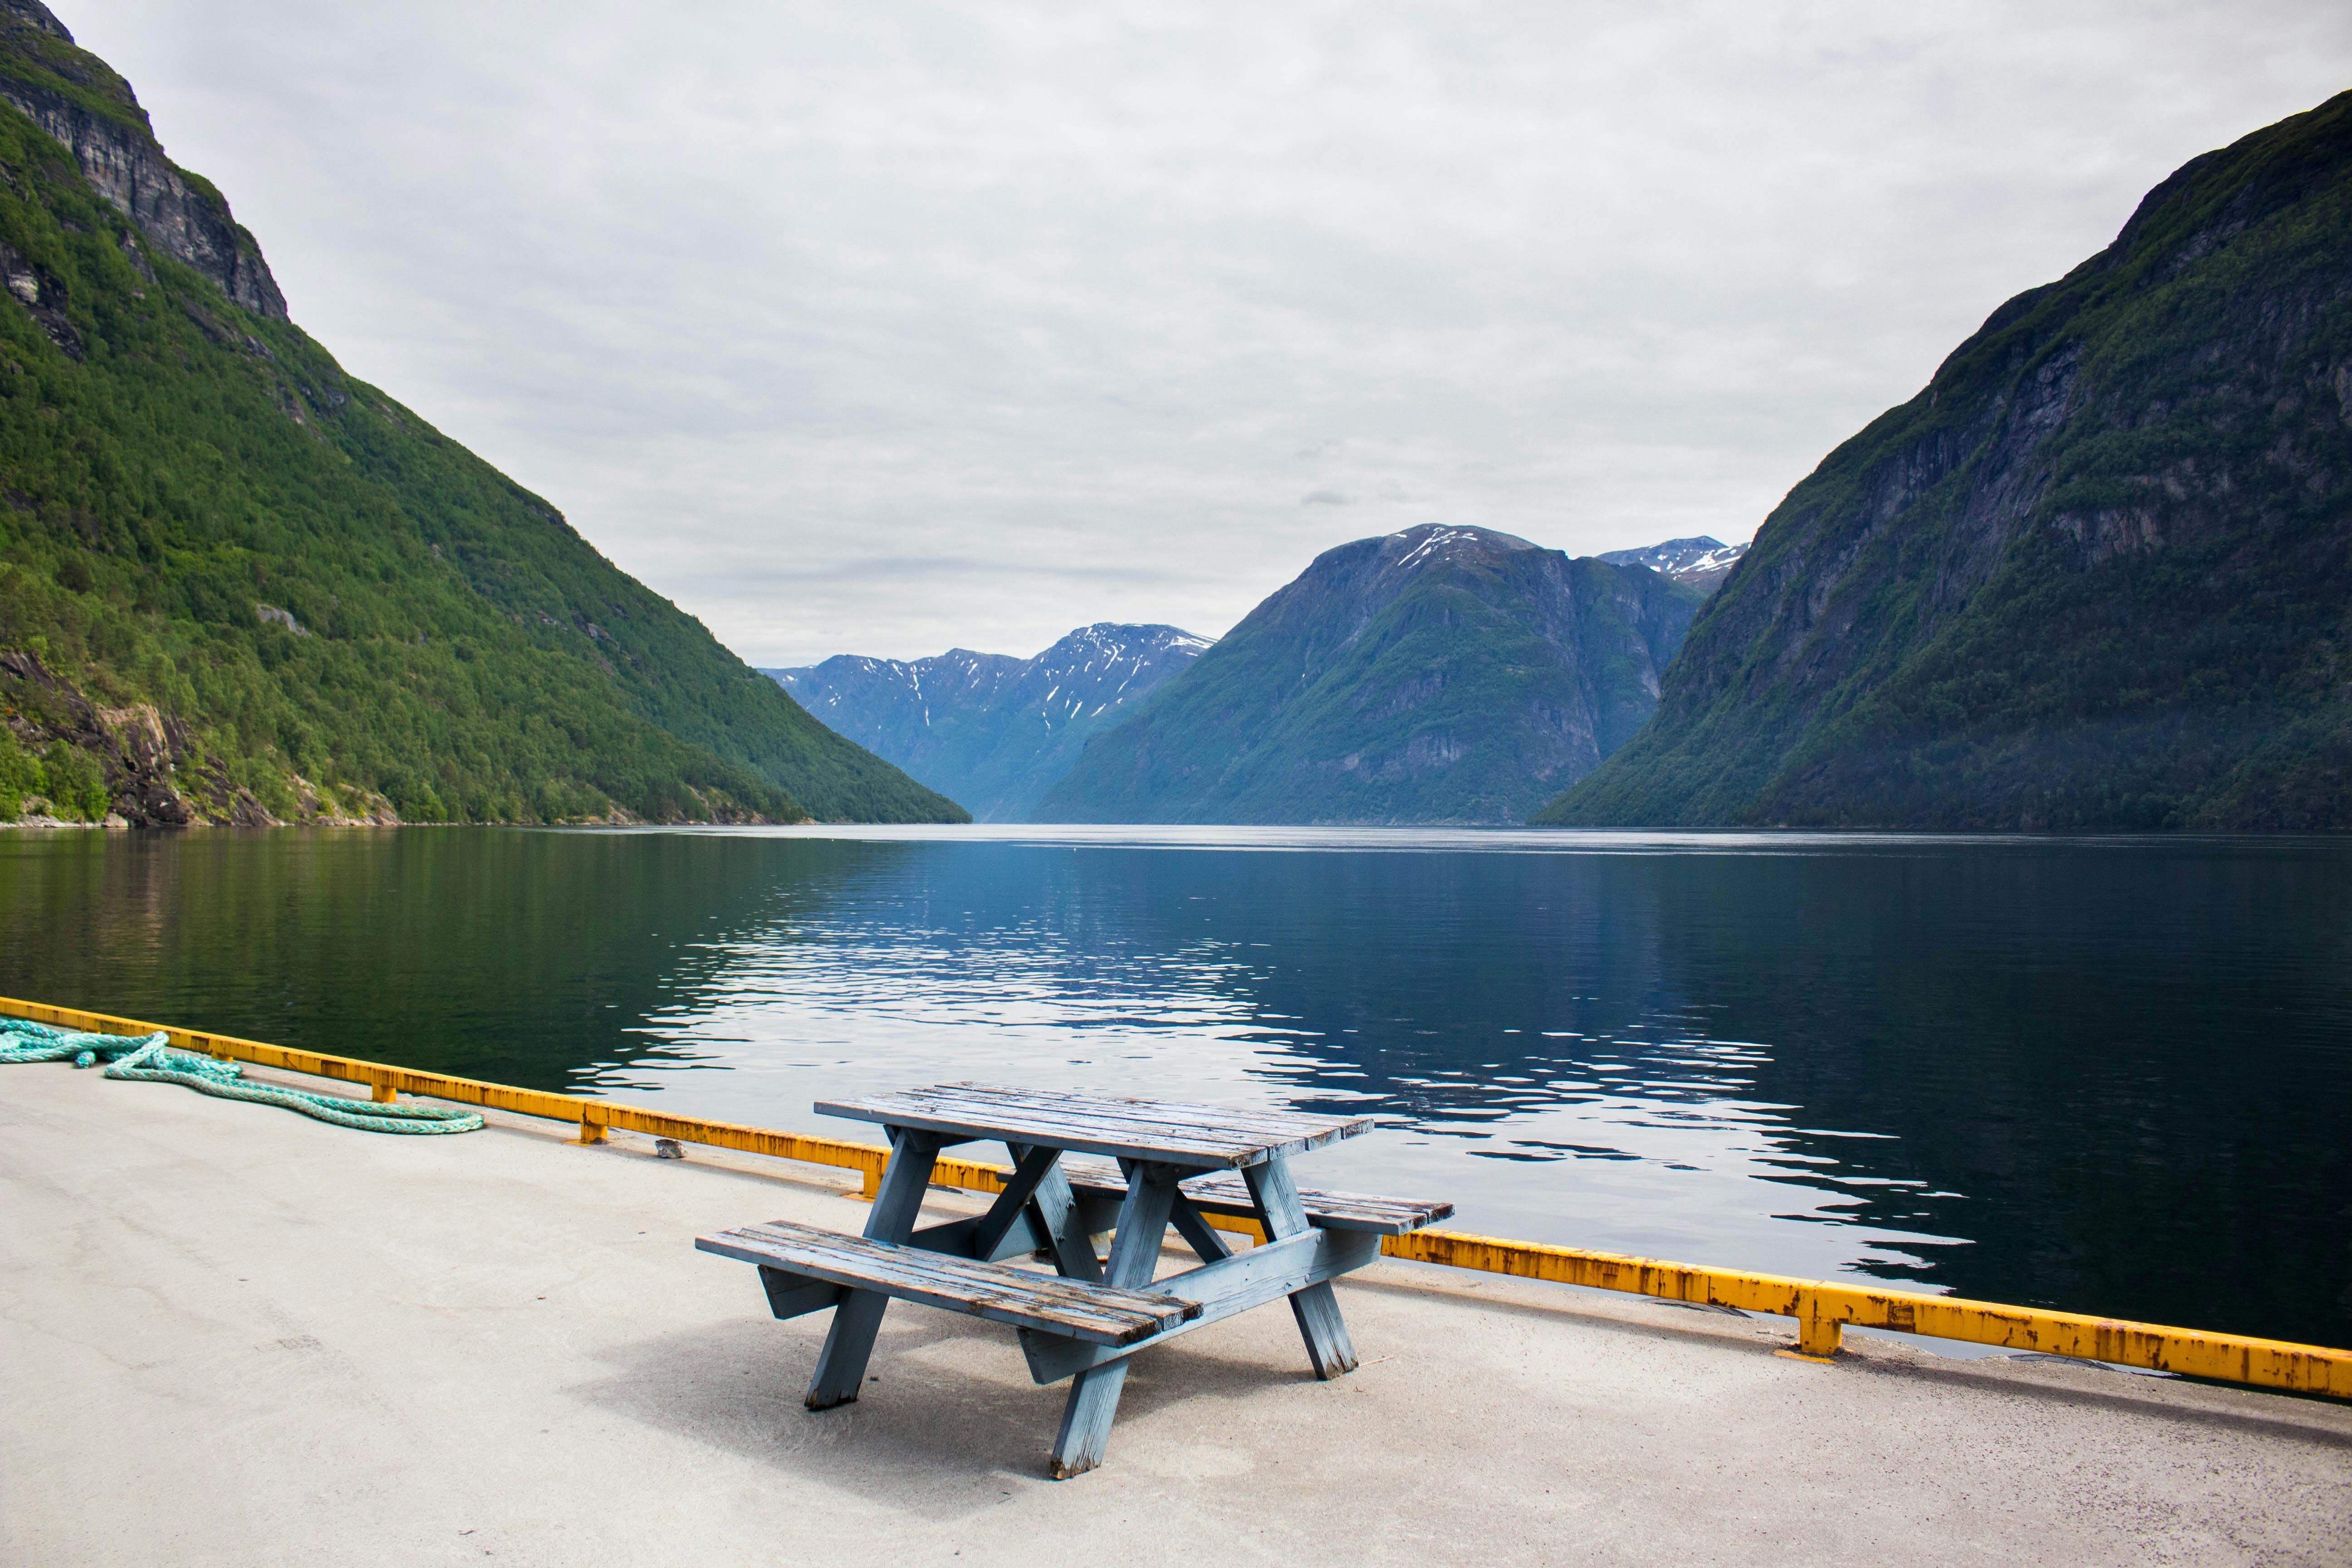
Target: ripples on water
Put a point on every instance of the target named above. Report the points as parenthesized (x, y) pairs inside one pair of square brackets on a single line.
[(2110, 1075)]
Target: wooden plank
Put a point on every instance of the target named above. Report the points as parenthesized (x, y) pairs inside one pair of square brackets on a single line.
[(1285, 1124), (940, 1279), (1142, 1226), (1087, 1416), (1100, 1314), (1056, 1211), (1093, 1403), (1225, 1193), (1200, 1136), (841, 1366), (1235, 1285), (1010, 1211), (1315, 1308), (905, 1182), (792, 1295), (1219, 1121), (960, 1237), (1205, 1243), (1192, 1145)]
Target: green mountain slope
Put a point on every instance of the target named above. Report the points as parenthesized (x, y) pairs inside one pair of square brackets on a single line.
[(238, 586), (2098, 575), (1436, 675)]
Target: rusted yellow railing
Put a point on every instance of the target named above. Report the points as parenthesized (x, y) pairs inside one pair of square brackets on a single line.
[(1822, 1308)]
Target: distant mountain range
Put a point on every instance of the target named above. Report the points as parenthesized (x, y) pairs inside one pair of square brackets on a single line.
[(1441, 674), (238, 586), (1702, 562), (2096, 575), (987, 730)]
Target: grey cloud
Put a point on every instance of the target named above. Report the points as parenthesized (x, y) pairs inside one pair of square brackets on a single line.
[(886, 570), (1326, 498), (899, 326)]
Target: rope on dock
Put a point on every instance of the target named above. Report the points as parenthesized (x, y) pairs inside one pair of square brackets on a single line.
[(148, 1059)]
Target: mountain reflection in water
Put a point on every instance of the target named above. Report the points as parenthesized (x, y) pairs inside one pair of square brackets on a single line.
[(2107, 1075)]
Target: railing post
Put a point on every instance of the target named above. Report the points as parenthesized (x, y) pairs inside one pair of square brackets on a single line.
[(1818, 1334), (591, 1125)]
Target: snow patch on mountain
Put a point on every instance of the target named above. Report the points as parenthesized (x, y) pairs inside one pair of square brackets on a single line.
[(1703, 559), (991, 731)]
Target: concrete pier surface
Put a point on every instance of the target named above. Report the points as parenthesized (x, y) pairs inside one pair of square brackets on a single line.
[(230, 1334)]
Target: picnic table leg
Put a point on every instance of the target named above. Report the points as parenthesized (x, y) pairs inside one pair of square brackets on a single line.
[(1134, 1255), (841, 1366), (1057, 1208), (1317, 1309)]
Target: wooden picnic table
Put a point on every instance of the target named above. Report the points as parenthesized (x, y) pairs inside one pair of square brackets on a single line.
[(1176, 1164)]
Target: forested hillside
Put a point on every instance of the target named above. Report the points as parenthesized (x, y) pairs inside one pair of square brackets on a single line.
[(1436, 675), (2096, 575), (238, 586)]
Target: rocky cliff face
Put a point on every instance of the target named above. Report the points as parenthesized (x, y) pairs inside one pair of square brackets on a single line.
[(158, 773), (2095, 574), (76, 99), (1436, 675), (987, 730)]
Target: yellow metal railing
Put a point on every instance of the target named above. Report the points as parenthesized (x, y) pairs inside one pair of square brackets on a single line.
[(1821, 1309)]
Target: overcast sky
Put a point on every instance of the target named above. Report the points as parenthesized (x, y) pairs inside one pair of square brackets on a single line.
[(879, 328)]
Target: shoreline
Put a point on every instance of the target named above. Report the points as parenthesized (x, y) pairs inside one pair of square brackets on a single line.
[(502, 1341)]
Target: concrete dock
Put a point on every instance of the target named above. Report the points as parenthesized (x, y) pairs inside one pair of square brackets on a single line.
[(235, 1335)]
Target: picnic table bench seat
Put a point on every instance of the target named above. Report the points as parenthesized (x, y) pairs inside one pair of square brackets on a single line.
[(1179, 1165), (1225, 1192), (817, 1265)]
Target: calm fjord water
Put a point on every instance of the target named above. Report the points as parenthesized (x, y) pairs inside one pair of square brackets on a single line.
[(2106, 1075)]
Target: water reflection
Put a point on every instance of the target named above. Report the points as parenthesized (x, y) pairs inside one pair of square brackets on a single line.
[(2104, 1075)]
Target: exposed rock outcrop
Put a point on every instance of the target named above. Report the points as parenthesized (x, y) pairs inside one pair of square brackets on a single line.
[(155, 774), (76, 99)]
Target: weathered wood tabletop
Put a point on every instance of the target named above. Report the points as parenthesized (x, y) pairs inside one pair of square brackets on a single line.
[(1203, 1136), (1102, 1310)]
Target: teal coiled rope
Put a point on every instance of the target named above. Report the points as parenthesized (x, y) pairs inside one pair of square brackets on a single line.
[(147, 1060)]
